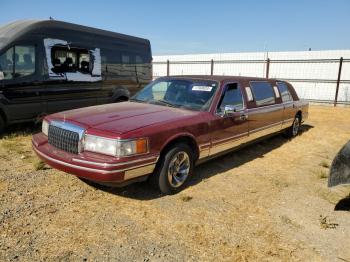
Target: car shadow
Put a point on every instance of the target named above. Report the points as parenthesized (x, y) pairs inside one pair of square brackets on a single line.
[(144, 191), (343, 204)]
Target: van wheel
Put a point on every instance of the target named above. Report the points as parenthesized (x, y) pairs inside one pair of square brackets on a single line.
[(173, 169), (121, 99), (293, 131), (2, 126)]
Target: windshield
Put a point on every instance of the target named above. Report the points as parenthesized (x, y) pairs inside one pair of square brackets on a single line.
[(190, 94)]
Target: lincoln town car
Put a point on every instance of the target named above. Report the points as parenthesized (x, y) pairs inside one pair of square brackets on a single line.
[(167, 128)]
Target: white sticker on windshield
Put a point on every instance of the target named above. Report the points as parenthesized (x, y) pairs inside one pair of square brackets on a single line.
[(202, 88)]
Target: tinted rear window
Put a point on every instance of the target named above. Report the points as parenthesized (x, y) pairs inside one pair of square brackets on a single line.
[(263, 93), (286, 96)]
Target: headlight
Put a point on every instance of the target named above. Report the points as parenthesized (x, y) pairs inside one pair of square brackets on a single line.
[(45, 127), (115, 147)]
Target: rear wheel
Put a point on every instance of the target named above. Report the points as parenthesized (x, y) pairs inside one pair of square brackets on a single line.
[(173, 169), (121, 99), (294, 130)]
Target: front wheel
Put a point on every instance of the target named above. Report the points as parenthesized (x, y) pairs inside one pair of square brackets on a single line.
[(2, 126), (173, 169)]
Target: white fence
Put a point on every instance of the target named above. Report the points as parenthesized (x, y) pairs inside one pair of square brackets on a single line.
[(314, 74)]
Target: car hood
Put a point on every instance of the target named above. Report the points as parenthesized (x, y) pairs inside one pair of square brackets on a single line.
[(122, 117)]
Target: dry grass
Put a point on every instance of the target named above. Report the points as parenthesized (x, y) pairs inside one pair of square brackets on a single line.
[(326, 224), (262, 203), (324, 164), (322, 174), (186, 198)]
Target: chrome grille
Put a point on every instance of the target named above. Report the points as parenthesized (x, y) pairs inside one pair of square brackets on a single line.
[(63, 139)]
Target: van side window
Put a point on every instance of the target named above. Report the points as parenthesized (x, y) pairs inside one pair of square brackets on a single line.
[(18, 61), (6, 64), (263, 93), (125, 59), (286, 96), (24, 60), (232, 97), (70, 60)]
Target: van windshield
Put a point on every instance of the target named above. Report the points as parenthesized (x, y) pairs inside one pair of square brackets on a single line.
[(183, 93)]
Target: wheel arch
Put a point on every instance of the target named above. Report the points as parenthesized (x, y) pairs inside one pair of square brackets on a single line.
[(120, 94), (185, 138), (299, 114)]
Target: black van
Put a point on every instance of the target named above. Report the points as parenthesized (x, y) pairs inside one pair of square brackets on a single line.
[(50, 66)]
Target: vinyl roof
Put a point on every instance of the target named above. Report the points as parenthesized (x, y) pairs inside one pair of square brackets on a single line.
[(220, 77)]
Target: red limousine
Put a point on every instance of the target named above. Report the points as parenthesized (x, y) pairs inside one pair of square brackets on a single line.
[(168, 127)]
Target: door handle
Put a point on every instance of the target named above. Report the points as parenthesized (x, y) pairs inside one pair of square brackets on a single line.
[(243, 117)]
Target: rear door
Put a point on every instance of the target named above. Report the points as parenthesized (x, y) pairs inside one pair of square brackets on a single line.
[(265, 117), (288, 103), (229, 130)]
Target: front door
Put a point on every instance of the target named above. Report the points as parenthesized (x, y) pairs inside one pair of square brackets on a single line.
[(229, 128), (21, 95)]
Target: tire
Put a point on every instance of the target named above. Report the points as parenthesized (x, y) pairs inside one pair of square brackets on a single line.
[(2, 126), (121, 99), (294, 130), (167, 176)]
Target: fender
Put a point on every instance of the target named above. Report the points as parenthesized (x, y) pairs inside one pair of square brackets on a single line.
[(120, 92), (179, 135)]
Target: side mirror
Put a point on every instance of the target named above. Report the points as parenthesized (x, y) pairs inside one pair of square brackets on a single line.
[(2, 76), (230, 109)]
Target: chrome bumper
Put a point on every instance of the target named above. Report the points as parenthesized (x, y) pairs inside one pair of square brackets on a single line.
[(129, 172)]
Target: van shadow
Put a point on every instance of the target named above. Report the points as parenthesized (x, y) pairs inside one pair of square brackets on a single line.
[(22, 129), (144, 191)]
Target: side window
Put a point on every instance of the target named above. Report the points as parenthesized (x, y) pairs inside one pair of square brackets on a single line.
[(18, 61), (6, 64), (286, 96), (249, 94), (24, 60), (125, 59), (70, 60), (138, 59), (277, 93), (232, 97), (263, 93)]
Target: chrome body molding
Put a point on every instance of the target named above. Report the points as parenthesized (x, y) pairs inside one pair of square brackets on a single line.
[(107, 165), (232, 142), (264, 131), (133, 171), (204, 150), (204, 153), (228, 145), (141, 171), (288, 122)]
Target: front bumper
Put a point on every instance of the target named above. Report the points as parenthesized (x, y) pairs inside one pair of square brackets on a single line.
[(92, 166)]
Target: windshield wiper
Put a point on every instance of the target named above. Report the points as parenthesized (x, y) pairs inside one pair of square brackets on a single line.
[(136, 100), (161, 101)]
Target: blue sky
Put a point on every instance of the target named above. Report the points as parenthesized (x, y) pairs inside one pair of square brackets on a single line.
[(184, 27)]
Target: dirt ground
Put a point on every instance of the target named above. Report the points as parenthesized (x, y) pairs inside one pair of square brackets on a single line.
[(268, 201)]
